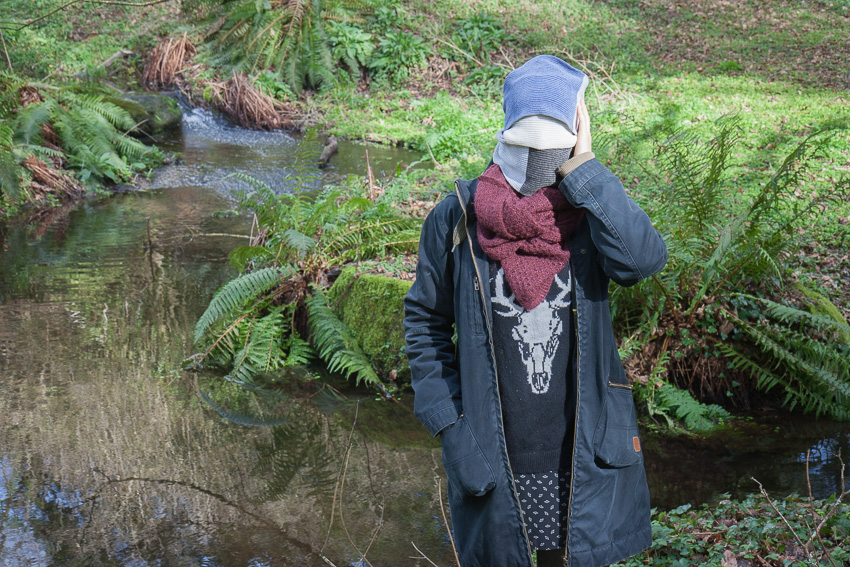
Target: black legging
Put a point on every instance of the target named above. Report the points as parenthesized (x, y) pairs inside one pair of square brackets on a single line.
[(550, 558)]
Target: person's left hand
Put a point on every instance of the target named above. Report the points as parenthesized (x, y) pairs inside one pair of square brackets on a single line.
[(583, 142)]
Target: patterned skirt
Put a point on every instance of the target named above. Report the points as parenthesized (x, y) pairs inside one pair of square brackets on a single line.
[(544, 499)]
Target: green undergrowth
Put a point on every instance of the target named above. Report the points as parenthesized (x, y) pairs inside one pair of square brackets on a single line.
[(63, 132), (752, 531), (78, 39)]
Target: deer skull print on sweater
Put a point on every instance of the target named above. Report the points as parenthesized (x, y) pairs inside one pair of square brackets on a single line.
[(536, 332)]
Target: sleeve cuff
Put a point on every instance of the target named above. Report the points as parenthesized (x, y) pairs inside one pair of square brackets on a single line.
[(442, 419), (572, 164)]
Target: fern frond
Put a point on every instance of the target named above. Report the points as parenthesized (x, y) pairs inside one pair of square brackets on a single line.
[(300, 352), (32, 119), (114, 114), (335, 343), (695, 415), (238, 293), (9, 171), (252, 182), (299, 241), (241, 256), (788, 314), (261, 351), (814, 377)]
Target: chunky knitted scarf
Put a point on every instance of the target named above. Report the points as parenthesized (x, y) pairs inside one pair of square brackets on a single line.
[(528, 235)]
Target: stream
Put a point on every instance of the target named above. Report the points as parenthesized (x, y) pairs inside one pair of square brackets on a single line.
[(111, 454)]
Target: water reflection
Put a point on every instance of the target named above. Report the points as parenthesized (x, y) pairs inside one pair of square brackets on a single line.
[(772, 450), (109, 456)]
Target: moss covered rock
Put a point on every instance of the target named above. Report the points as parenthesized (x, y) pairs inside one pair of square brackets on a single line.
[(372, 307), (819, 304), (156, 114)]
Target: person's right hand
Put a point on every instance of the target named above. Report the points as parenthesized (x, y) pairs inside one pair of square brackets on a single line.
[(582, 130)]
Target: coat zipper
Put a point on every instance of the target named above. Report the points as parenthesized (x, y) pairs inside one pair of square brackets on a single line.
[(480, 289), (575, 422)]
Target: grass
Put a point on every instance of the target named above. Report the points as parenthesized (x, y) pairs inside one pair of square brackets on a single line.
[(80, 38)]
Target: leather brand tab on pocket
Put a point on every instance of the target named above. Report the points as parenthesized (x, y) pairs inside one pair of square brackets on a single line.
[(616, 442)]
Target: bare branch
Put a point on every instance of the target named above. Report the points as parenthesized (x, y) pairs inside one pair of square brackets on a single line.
[(443, 511), (422, 555), (775, 509)]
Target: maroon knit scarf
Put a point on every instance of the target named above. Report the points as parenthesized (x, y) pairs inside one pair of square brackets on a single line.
[(529, 236)]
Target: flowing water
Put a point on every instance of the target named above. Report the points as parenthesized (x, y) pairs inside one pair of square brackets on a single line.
[(111, 454)]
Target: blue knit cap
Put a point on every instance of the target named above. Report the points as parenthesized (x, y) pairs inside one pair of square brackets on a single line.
[(543, 85)]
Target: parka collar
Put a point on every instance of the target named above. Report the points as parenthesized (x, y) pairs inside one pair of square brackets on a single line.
[(466, 194)]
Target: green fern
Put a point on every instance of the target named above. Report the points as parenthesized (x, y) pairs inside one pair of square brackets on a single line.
[(719, 246), (238, 293), (300, 353), (311, 234), (10, 176), (798, 352), (285, 37), (683, 407), (91, 131), (335, 343), (241, 256)]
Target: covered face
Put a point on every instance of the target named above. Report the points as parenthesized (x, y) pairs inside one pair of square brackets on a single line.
[(540, 102), (544, 85)]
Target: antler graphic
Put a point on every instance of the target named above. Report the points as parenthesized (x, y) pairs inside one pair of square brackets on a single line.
[(563, 297), (508, 302)]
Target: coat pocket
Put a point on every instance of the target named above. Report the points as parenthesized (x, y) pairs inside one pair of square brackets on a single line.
[(616, 442), (466, 466)]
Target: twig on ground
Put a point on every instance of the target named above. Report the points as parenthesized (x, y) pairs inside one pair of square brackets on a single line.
[(422, 555), (430, 153), (445, 521), (818, 522), (116, 56), (833, 508), (775, 509), (461, 51), (6, 51), (507, 59)]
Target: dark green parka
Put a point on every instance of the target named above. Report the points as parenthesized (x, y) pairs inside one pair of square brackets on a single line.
[(457, 392)]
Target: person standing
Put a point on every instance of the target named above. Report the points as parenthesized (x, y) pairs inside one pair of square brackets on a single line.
[(535, 415)]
